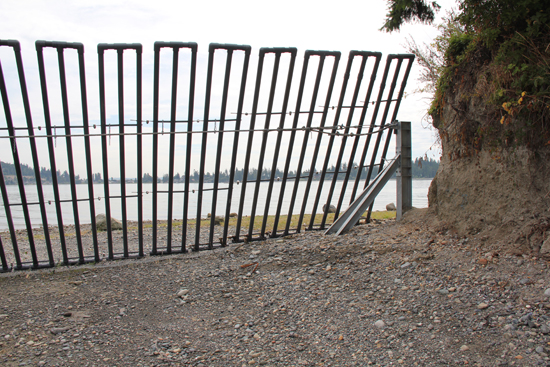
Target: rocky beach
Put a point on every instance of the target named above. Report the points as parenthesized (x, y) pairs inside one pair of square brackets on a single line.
[(409, 293)]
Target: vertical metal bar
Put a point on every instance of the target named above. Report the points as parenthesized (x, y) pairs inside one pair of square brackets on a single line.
[(383, 122), (377, 56), (307, 55), (155, 144), (100, 51), (16, 161), (381, 133), (211, 52), (263, 144), (191, 106), (220, 145), (5, 266), (120, 56), (344, 138), (175, 53), (34, 153), (119, 47), (371, 129), (249, 143), (235, 144), (319, 138), (404, 180), (51, 149), (400, 59), (88, 150), (68, 140), (6, 199), (139, 153), (175, 46), (304, 144), (322, 56), (292, 52)]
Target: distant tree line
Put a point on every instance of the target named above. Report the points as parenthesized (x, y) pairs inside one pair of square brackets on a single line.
[(422, 168)]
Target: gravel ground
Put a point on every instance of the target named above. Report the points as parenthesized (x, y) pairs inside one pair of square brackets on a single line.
[(387, 293)]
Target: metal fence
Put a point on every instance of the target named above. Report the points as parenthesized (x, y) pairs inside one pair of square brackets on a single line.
[(309, 153)]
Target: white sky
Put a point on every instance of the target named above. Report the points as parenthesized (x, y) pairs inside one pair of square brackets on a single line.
[(319, 25)]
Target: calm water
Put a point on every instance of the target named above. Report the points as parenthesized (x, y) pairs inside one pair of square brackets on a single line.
[(387, 195)]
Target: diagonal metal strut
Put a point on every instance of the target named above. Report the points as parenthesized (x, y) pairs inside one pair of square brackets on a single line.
[(348, 219)]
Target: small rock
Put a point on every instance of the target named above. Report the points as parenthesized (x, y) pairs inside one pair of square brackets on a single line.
[(405, 265), (464, 348), (183, 292), (482, 306), (545, 248), (544, 329), (380, 324), (58, 330), (482, 261), (547, 292)]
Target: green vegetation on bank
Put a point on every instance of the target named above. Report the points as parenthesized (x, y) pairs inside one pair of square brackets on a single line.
[(498, 51)]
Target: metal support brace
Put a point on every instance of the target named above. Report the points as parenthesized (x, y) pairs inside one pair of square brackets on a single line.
[(404, 171), (352, 215)]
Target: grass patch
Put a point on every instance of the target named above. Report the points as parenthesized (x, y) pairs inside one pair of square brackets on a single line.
[(270, 222)]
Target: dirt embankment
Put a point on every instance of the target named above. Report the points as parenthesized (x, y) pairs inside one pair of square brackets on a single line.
[(494, 179)]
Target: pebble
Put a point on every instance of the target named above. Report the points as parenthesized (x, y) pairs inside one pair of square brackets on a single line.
[(547, 292), (182, 292), (380, 324), (482, 306)]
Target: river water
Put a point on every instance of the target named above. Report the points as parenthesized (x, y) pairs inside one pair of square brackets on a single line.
[(387, 195)]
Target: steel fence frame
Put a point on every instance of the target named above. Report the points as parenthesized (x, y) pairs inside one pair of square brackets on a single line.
[(379, 127)]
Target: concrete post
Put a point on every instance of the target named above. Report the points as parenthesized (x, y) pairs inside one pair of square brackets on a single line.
[(404, 171)]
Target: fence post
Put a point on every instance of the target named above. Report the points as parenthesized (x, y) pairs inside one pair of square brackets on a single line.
[(404, 172)]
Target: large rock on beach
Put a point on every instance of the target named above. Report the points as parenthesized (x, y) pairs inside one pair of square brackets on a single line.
[(101, 223), (391, 207), (330, 209)]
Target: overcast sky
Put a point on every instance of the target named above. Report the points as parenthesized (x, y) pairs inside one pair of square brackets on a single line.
[(321, 25)]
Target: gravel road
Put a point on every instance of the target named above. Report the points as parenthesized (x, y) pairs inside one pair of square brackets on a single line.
[(387, 293)]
